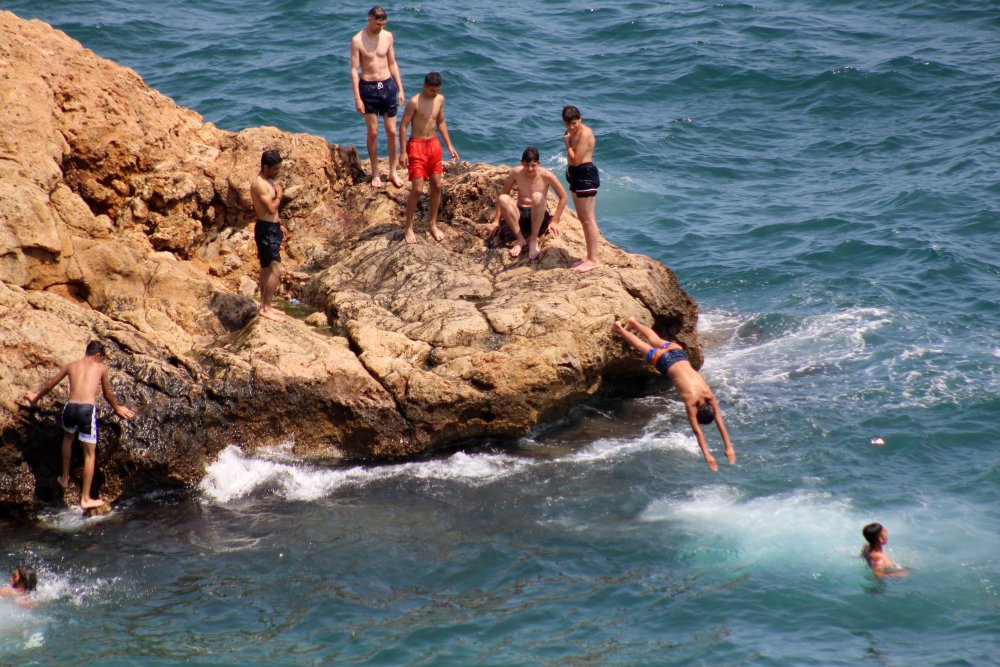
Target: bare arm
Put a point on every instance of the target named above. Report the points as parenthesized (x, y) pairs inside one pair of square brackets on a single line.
[(560, 191), (692, 413), (33, 397), (723, 431), (411, 108), (359, 106), (443, 129), (120, 410), (390, 59)]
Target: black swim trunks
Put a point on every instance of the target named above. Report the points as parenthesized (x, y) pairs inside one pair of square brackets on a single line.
[(661, 358), (524, 222), (268, 237), (379, 97), (583, 179), (80, 418)]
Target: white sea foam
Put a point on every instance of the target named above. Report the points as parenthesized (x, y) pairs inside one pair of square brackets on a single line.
[(819, 344), (803, 528), (236, 475), (613, 449)]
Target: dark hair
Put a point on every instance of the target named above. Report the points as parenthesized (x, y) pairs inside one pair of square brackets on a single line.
[(95, 347), (530, 154), (706, 413), (377, 13), (872, 533), (570, 113), (27, 580), (270, 158), (432, 79)]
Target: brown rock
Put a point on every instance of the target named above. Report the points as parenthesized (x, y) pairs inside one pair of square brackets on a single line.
[(127, 218)]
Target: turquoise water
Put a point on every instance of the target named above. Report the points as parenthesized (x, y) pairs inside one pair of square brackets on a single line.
[(823, 179)]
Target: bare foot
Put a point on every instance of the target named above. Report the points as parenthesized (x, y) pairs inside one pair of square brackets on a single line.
[(516, 250), (271, 314), (533, 251), (436, 233), (731, 455), (631, 323), (410, 237), (396, 180), (376, 181), (63, 482), (710, 460), (585, 265), (91, 503)]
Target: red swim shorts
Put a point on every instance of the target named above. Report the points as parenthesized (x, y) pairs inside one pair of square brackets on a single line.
[(424, 157)]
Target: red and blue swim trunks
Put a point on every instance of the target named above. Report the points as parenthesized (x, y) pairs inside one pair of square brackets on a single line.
[(424, 157)]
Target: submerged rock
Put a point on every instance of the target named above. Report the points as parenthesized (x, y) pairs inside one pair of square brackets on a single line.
[(127, 218)]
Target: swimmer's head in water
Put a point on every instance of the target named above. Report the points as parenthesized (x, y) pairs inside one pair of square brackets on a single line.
[(872, 533), (23, 578), (706, 413)]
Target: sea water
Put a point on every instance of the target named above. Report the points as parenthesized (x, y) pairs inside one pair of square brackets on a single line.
[(823, 179)]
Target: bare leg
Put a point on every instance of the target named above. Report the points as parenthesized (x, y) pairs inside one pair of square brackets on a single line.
[(586, 210), (371, 126), (89, 456), (633, 340), (537, 217), (393, 139), (511, 215), (435, 204), (648, 333), (416, 189), (67, 452), (270, 277)]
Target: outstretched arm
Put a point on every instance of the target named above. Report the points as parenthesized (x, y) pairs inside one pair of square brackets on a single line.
[(723, 431), (34, 397), (692, 413), (120, 410)]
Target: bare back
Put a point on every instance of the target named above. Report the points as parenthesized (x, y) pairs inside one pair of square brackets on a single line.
[(372, 53), (85, 379)]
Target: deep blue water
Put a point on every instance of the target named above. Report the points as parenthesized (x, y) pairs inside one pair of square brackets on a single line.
[(823, 179)]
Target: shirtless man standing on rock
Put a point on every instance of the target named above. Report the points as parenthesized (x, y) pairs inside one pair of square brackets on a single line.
[(528, 215), (79, 415), (379, 90), (268, 233), (422, 153), (584, 179)]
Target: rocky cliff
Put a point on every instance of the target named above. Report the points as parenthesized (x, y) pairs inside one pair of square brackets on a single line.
[(127, 218)]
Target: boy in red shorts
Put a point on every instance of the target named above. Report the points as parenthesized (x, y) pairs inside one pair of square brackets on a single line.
[(422, 155)]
